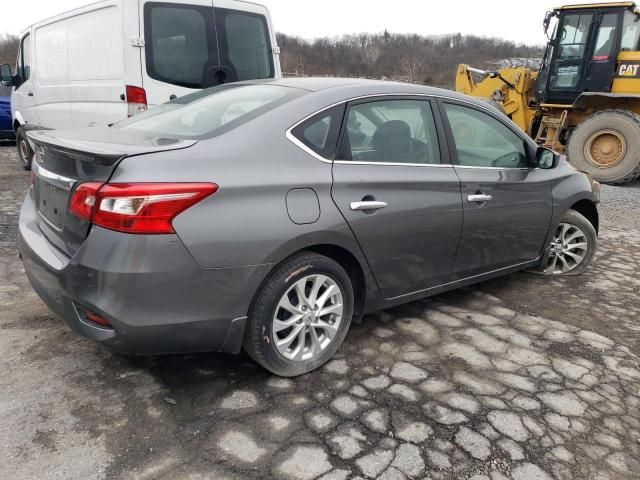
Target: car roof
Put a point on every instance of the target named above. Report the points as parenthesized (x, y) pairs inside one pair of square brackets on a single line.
[(366, 86)]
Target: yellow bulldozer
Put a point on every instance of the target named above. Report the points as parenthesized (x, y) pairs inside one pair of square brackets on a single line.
[(584, 100)]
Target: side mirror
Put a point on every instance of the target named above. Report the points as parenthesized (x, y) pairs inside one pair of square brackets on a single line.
[(6, 76), (546, 158)]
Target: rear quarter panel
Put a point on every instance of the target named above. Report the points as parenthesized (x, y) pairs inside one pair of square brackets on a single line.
[(246, 221)]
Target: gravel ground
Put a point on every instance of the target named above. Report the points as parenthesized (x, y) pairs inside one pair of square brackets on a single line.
[(524, 377)]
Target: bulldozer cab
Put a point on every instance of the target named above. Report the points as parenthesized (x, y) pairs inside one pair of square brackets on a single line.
[(585, 42)]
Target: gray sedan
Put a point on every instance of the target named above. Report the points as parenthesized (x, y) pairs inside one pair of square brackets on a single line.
[(270, 214)]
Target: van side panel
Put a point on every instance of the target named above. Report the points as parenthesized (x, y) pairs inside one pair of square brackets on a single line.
[(51, 75), (96, 68), (78, 67)]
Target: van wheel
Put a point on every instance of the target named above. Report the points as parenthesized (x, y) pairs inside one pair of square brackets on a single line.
[(25, 153), (573, 246), (300, 316)]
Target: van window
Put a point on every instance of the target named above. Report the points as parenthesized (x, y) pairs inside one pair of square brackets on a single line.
[(24, 59), (244, 44), (198, 47), (180, 42), (210, 112)]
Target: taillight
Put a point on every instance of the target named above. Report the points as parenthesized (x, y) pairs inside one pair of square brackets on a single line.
[(136, 100), (84, 199), (145, 208)]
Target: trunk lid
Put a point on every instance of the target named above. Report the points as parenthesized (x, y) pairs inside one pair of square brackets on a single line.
[(66, 158)]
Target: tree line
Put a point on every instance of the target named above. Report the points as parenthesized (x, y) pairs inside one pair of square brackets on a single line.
[(9, 48), (430, 60)]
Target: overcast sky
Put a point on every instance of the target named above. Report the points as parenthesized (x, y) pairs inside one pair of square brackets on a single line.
[(517, 20)]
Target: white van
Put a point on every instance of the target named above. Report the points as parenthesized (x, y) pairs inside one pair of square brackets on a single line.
[(98, 64)]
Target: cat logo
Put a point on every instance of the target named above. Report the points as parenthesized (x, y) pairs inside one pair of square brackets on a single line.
[(626, 70)]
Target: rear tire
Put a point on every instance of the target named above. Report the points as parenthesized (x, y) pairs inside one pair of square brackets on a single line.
[(607, 146), (25, 153), (287, 332)]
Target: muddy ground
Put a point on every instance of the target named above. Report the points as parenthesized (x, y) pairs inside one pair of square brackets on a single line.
[(524, 377)]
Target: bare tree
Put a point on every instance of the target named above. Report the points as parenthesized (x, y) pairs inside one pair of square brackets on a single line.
[(9, 48), (370, 55), (412, 64)]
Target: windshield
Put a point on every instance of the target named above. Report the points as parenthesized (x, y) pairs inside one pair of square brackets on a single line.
[(210, 112)]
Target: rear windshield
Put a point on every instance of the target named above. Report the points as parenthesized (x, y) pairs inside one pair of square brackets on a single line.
[(210, 112)]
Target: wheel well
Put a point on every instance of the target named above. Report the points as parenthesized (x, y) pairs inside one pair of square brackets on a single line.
[(588, 210), (353, 268)]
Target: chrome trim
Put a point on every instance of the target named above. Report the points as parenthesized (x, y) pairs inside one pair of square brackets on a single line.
[(302, 146), (368, 205), (60, 181), (494, 168), (393, 164), (479, 198), (48, 222)]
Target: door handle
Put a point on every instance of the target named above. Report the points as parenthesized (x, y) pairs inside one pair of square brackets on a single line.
[(368, 205), (30, 94), (479, 197)]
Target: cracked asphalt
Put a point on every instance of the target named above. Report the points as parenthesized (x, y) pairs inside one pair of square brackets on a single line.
[(523, 377)]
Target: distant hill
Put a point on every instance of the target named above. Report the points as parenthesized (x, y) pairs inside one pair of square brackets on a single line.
[(413, 58)]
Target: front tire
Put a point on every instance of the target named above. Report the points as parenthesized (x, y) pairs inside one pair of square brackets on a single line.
[(25, 153), (300, 316), (607, 146), (573, 246)]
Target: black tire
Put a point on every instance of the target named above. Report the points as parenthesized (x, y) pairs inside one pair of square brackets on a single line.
[(575, 218), (259, 339), (25, 153), (625, 166)]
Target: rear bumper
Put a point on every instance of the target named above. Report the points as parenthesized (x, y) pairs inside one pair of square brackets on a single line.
[(154, 295)]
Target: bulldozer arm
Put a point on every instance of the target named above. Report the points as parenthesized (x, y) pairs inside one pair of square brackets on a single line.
[(510, 88)]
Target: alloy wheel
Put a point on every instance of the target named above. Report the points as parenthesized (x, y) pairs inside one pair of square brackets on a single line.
[(24, 151), (568, 249), (307, 318)]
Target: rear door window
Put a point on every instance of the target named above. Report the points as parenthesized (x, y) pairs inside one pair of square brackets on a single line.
[(244, 43), (391, 131)]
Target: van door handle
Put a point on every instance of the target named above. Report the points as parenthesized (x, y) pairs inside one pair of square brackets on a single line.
[(370, 205), (479, 198), (30, 94)]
